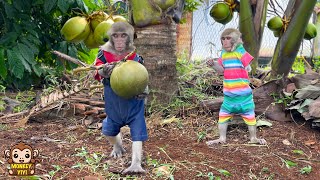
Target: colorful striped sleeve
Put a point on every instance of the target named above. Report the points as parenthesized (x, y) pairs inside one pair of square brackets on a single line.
[(246, 59)]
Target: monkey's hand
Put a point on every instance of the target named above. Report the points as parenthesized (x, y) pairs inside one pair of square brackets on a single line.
[(210, 62), (215, 65), (106, 70), (144, 94), (248, 68)]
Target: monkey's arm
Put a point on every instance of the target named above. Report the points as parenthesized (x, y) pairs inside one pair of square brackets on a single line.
[(106, 70), (98, 62), (144, 94), (138, 58), (246, 60), (215, 65)]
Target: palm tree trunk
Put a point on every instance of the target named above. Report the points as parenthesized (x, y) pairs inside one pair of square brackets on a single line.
[(299, 12), (252, 22), (157, 45), (316, 42)]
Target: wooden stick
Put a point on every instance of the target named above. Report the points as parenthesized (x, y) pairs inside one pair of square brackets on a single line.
[(69, 58)]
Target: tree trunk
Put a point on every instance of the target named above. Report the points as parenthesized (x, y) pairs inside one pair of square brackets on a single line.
[(316, 42), (157, 45), (252, 22), (299, 12)]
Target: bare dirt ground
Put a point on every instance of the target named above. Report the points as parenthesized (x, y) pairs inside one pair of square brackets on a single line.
[(176, 150)]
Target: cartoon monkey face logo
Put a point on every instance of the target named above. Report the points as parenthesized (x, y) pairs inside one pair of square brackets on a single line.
[(23, 156), (21, 159)]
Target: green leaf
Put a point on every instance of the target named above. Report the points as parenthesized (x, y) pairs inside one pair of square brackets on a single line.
[(82, 5), (22, 59), (8, 38), (23, 6), (26, 53), (306, 170), (224, 172), (33, 32), (33, 39), (72, 51), (63, 5), (37, 69), (32, 47), (10, 11), (290, 164), (298, 152), (3, 68), (90, 4), (15, 65), (49, 5)]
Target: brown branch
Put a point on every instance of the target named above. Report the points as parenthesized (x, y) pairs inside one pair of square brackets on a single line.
[(69, 58)]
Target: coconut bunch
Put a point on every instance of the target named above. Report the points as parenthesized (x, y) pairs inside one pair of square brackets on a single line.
[(222, 12), (146, 12), (91, 29), (278, 25)]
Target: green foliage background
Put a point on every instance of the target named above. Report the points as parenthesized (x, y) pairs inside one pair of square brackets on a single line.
[(30, 29)]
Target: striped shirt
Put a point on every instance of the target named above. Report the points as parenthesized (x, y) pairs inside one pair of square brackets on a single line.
[(236, 79)]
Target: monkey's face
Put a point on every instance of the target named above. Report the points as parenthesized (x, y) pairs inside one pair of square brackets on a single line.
[(23, 156), (227, 43), (120, 41)]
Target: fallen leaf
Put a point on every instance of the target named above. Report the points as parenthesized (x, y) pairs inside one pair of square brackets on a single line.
[(286, 142), (87, 122), (310, 142), (263, 123), (169, 120), (163, 170), (93, 178)]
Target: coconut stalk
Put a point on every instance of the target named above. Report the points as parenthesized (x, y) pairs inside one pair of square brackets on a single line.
[(252, 22), (316, 42), (298, 12)]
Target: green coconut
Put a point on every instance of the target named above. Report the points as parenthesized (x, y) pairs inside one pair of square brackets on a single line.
[(90, 42), (220, 11), (311, 31), (275, 23), (129, 79), (227, 20), (144, 14), (97, 17), (118, 18), (76, 29), (100, 33), (277, 33), (165, 4)]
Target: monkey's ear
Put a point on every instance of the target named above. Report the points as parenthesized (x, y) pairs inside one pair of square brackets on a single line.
[(7, 153), (135, 36), (35, 153)]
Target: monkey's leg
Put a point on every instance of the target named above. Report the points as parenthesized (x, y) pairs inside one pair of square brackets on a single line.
[(253, 136), (116, 142), (135, 166), (223, 135)]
